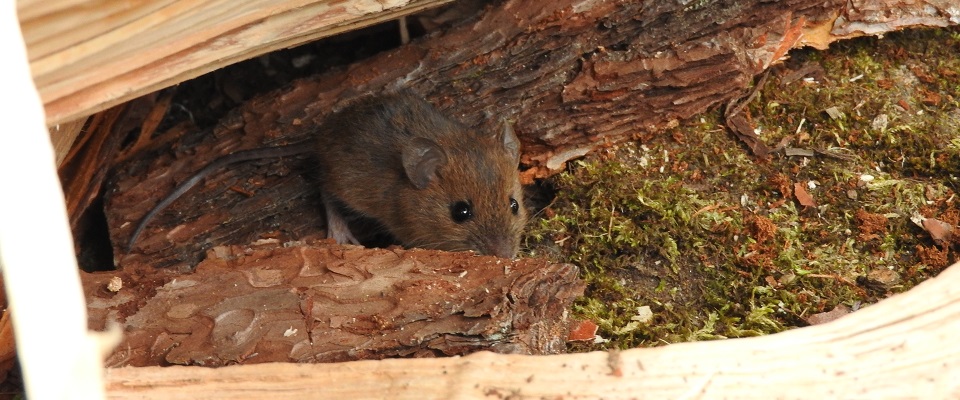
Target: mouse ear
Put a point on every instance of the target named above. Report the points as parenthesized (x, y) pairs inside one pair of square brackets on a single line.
[(421, 159), (510, 142)]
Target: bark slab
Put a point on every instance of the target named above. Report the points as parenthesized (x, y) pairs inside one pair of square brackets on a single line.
[(321, 302), (903, 347)]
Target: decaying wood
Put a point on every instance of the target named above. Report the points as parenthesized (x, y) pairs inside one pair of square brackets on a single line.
[(572, 75), (85, 59), (83, 170), (325, 303), (903, 347)]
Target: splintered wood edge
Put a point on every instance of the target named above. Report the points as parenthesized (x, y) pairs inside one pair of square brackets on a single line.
[(902, 347), (80, 79)]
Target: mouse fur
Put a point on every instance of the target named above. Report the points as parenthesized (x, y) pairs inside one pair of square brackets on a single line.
[(428, 180)]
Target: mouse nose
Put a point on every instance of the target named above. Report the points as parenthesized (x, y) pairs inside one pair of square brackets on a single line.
[(503, 248)]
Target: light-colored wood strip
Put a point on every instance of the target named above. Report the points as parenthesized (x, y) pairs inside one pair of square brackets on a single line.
[(171, 29), (50, 33), (902, 347), (133, 52), (36, 244), (278, 31), (30, 9)]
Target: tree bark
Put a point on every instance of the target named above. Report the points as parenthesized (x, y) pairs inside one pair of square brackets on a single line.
[(324, 303), (903, 347), (573, 75)]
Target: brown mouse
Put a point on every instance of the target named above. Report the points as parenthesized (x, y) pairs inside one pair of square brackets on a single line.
[(430, 182)]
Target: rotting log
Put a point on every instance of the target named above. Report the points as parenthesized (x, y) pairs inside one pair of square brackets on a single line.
[(573, 76), (84, 58), (903, 347), (321, 302)]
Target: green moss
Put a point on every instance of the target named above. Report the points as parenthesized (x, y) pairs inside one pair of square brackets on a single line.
[(713, 240)]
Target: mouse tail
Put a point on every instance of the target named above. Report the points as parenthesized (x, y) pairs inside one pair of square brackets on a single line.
[(240, 156)]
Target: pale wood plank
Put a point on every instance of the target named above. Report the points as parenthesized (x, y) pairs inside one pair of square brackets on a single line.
[(48, 31), (87, 57), (36, 246)]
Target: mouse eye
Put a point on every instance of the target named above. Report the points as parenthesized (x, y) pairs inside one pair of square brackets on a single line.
[(461, 211), (514, 206)]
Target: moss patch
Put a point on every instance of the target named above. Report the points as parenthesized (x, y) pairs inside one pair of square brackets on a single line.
[(718, 243)]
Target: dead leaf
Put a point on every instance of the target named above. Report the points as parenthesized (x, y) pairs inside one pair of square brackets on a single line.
[(881, 279), (813, 70), (834, 113), (744, 131), (903, 104), (941, 232), (824, 317), (783, 143), (584, 331), (739, 125), (771, 281), (931, 98), (804, 197), (930, 193)]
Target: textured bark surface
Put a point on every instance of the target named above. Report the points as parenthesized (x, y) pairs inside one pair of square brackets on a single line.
[(901, 348), (322, 302), (573, 76)]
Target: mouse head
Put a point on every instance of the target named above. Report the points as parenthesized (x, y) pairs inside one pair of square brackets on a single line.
[(468, 189)]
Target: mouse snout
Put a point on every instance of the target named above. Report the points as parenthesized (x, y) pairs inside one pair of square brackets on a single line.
[(501, 247)]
